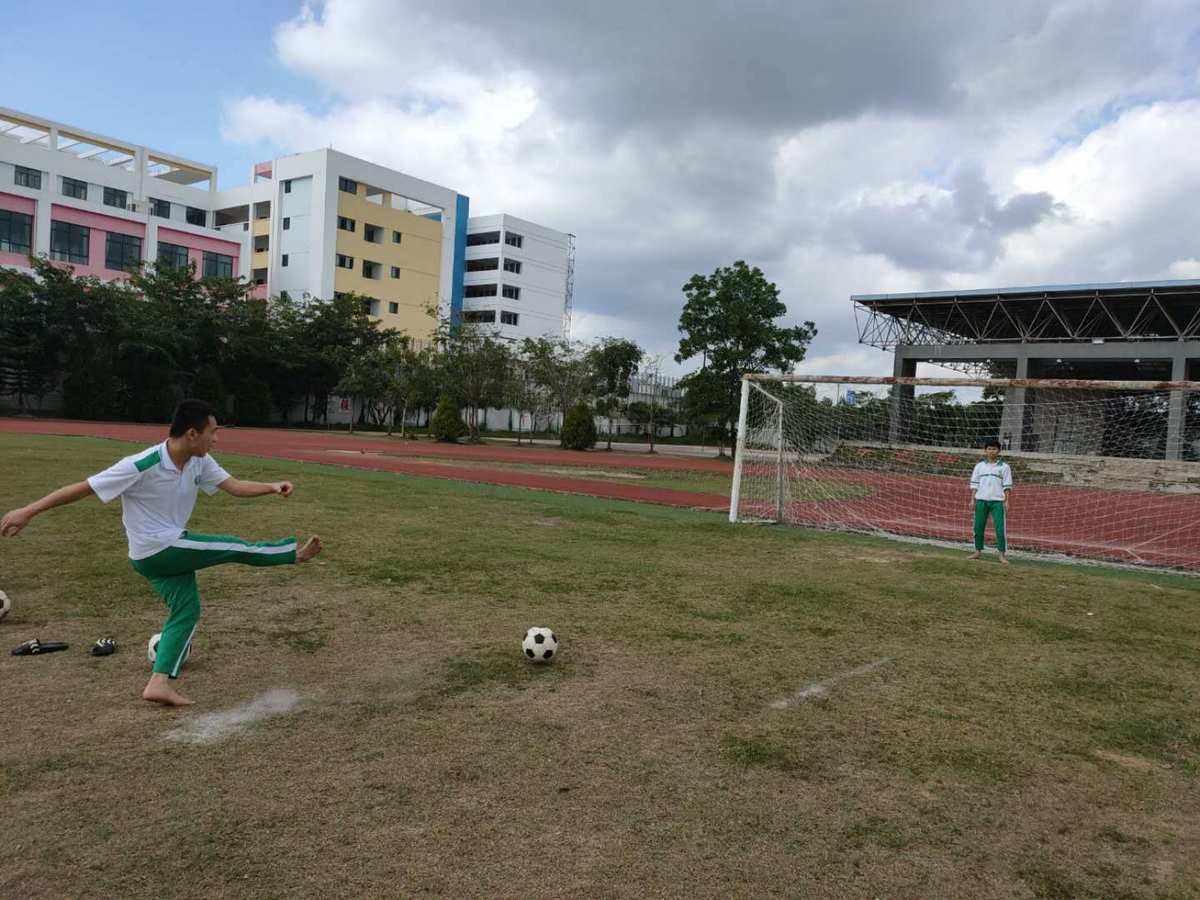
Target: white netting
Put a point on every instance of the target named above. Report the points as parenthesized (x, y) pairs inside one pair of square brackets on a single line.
[(1098, 473)]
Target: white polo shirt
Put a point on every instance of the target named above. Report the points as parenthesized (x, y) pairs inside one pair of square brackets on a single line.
[(156, 498), (990, 479)]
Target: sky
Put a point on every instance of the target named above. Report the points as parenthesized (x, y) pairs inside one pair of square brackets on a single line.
[(842, 147)]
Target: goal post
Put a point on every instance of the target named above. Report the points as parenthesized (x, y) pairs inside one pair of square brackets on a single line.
[(1103, 470)]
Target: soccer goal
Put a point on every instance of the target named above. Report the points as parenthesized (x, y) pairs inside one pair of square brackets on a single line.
[(1102, 470)]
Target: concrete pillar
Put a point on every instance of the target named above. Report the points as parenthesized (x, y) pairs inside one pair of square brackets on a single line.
[(1012, 420), (41, 224), (902, 396), (1175, 407)]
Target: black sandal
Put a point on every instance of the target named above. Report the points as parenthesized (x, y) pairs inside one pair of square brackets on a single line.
[(104, 647), (33, 647)]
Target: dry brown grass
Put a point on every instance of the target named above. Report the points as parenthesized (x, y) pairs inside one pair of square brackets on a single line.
[(1013, 745)]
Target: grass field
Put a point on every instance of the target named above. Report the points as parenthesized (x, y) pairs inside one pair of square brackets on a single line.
[(1016, 733)]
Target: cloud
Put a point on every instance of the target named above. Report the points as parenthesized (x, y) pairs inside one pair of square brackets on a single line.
[(843, 148)]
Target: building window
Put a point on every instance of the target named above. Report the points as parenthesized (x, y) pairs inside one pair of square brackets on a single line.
[(370, 307), (513, 240), (160, 208), (372, 233), (511, 293), (117, 198), (480, 290), (196, 216), (347, 185), (508, 318), (287, 223), (345, 224), (262, 209), (511, 265), (483, 265), (73, 187), (345, 262), (172, 256), (283, 260), (287, 186), (395, 271), (396, 236), (69, 242), (16, 232), (217, 265), (122, 252), (483, 237), (479, 316), (393, 308), (30, 178), (371, 269)]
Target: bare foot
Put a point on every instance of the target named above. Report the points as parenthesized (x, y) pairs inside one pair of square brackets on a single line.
[(311, 548), (974, 555), (162, 692), (1004, 559)]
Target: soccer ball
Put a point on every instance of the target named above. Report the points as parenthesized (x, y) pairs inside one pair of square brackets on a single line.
[(5, 604), (540, 645), (152, 650)]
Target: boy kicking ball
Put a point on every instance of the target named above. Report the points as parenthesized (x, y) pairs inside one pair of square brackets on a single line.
[(158, 488), (991, 482)]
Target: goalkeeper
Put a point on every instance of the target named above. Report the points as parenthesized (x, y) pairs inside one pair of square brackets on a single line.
[(991, 481)]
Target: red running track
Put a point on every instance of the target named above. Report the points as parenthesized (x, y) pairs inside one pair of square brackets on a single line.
[(405, 457)]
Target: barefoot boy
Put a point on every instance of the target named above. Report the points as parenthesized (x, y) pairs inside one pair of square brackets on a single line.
[(158, 487)]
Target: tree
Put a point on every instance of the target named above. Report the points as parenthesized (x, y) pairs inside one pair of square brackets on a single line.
[(729, 319), (562, 368), (524, 394), (410, 378), (477, 365), (29, 345), (614, 361)]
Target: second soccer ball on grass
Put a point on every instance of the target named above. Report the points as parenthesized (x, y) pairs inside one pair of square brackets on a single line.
[(540, 645)]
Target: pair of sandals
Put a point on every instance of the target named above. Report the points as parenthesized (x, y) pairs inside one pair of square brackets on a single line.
[(34, 647)]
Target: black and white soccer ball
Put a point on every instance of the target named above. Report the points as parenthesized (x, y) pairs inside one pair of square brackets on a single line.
[(5, 604), (152, 649), (540, 645)]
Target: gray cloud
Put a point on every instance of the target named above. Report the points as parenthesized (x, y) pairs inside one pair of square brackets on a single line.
[(842, 147), (961, 231)]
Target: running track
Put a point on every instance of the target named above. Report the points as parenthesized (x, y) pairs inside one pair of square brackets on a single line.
[(1119, 526)]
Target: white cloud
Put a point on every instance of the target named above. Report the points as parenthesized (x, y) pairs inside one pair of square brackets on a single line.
[(964, 145)]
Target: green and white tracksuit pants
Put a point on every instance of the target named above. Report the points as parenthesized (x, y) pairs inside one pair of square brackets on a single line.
[(172, 573), (994, 508)]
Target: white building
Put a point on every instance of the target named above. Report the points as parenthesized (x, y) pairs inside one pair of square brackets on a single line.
[(319, 223), (518, 277), (101, 205)]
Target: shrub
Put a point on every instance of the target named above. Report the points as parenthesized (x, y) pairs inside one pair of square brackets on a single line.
[(446, 423), (579, 429)]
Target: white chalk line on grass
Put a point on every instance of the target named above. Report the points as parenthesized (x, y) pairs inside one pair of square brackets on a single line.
[(212, 727), (820, 688)]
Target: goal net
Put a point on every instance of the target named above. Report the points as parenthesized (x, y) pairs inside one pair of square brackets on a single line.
[(1101, 470)]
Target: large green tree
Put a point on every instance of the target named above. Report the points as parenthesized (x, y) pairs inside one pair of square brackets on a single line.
[(731, 320)]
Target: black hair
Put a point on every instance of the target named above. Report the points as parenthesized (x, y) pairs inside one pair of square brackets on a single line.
[(190, 414), (992, 443)]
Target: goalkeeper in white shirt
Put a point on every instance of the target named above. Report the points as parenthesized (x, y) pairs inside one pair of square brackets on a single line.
[(991, 482)]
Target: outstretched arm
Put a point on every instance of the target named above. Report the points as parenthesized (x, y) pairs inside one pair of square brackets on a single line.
[(237, 488), (13, 522)]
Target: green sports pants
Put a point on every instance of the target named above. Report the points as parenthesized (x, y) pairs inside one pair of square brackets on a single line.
[(172, 573), (994, 508)]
